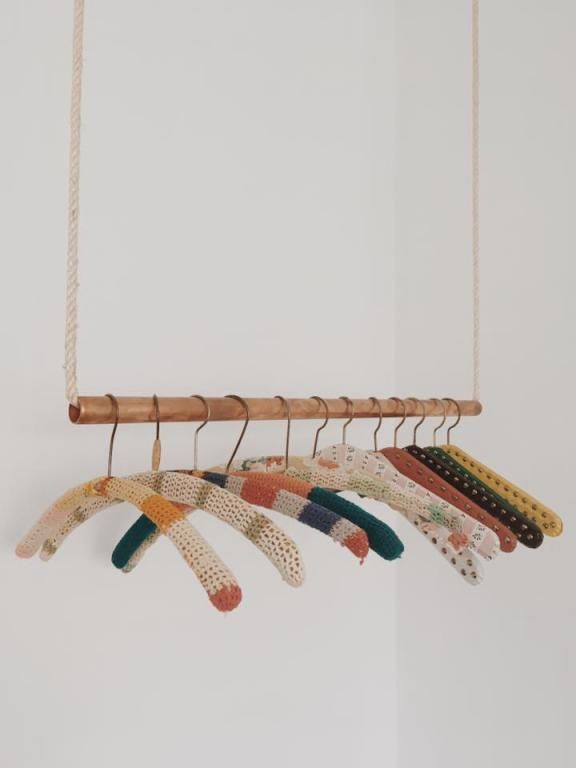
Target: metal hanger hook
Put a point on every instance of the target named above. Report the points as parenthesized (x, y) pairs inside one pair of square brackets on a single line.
[(422, 419), (286, 405), (439, 427), (207, 415), (451, 427), (380, 417), (403, 419), (157, 446), (349, 405), (321, 427), (114, 428), (244, 404), (157, 412)]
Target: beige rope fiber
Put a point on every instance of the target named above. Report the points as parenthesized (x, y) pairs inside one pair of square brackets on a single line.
[(70, 342), (71, 336), (476, 197)]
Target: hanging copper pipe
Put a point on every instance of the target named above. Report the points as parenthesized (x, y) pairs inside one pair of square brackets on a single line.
[(134, 410)]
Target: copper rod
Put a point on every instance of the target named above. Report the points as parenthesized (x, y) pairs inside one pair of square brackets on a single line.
[(138, 410)]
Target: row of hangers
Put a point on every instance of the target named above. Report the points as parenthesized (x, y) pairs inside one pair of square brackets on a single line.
[(468, 512)]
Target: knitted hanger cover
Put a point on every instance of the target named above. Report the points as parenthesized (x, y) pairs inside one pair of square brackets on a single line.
[(218, 581), (480, 538), (547, 520), (192, 492), (254, 491), (424, 477), (383, 540), (363, 483), (451, 545), (526, 530)]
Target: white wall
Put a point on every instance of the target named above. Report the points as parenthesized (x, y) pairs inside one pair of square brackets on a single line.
[(487, 676), (236, 236)]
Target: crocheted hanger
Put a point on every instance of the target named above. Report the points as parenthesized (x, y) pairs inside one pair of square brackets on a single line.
[(548, 521), (436, 509), (428, 481), (525, 530), (381, 491), (218, 581), (286, 495), (451, 545), (382, 539), (251, 490), (446, 542), (256, 491), (191, 493)]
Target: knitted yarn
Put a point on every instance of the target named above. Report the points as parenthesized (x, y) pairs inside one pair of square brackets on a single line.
[(382, 539), (451, 545), (282, 496), (548, 521), (423, 478), (329, 474), (192, 492), (510, 520), (219, 583), (481, 539), (254, 491)]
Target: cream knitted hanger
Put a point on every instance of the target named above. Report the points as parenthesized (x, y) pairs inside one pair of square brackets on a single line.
[(188, 493), (215, 577), (192, 492)]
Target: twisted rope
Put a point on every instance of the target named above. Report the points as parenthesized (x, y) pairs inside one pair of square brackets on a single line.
[(476, 198), (70, 342), (71, 333)]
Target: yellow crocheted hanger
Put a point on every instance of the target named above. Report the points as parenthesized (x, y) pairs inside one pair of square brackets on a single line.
[(548, 521)]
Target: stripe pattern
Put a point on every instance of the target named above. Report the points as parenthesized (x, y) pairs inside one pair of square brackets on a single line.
[(189, 493), (451, 545), (264, 492), (382, 539), (254, 491)]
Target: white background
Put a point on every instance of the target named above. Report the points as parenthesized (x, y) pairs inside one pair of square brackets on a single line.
[(237, 236), (275, 199), (487, 678)]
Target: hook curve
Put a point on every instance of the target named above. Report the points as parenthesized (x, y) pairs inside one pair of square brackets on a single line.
[(207, 414), (244, 404), (114, 429), (380, 416), (439, 427), (321, 427), (451, 427), (417, 426), (349, 404), (402, 402), (286, 405)]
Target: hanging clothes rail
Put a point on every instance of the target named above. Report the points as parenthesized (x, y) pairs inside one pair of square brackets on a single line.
[(100, 410), (136, 410)]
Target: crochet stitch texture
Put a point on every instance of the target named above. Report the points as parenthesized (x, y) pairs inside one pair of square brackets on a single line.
[(191, 493)]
